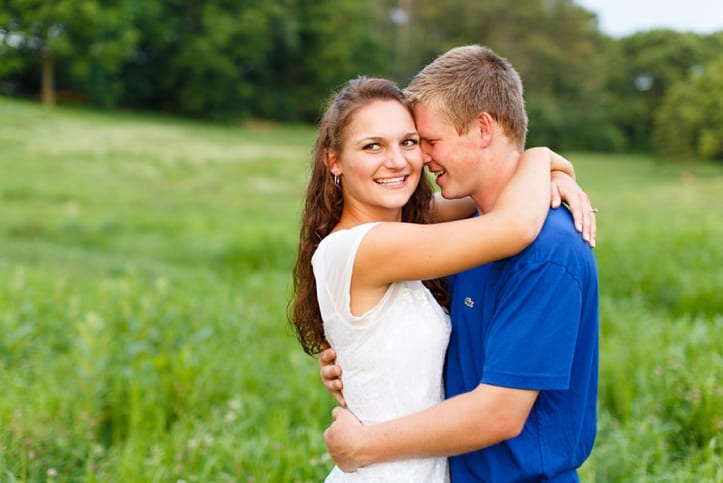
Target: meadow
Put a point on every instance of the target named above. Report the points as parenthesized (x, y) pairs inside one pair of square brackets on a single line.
[(144, 277)]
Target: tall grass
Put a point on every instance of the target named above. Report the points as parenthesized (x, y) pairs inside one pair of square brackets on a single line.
[(144, 274), (661, 274)]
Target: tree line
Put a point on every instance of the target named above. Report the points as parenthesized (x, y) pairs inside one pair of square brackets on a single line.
[(658, 90)]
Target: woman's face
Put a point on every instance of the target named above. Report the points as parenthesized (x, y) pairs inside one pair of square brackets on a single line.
[(380, 163)]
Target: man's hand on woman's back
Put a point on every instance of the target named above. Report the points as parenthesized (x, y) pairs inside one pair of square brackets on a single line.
[(331, 374)]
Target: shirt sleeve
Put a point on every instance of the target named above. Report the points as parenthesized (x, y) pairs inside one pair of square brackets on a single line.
[(530, 343), (333, 264)]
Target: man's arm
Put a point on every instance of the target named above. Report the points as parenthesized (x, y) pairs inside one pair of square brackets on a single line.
[(468, 422)]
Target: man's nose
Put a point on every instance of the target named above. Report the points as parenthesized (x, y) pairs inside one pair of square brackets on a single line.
[(426, 156)]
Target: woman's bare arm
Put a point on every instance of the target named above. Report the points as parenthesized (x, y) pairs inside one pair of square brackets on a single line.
[(450, 210), (564, 188), (406, 251)]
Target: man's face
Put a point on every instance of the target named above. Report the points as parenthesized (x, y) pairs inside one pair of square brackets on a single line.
[(454, 159)]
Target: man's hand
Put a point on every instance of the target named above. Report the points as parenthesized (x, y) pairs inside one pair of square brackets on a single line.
[(331, 374), (341, 437)]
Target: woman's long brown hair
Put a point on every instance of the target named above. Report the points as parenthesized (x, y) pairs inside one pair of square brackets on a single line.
[(324, 202)]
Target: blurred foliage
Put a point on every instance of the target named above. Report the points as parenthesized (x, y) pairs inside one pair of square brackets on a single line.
[(82, 44), (279, 59), (648, 64), (689, 122)]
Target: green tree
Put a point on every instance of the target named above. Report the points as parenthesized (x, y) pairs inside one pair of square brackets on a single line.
[(88, 40), (689, 122), (643, 67), (265, 58), (199, 58), (554, 44), (330, 42)]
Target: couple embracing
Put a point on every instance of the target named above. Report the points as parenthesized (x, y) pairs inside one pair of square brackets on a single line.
[(466, 324)]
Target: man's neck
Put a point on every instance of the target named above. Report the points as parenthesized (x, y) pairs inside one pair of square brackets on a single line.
[(501, 166)]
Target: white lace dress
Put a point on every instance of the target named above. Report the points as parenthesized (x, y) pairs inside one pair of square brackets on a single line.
[(392, 356)]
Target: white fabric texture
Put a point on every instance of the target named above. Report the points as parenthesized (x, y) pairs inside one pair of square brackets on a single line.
[(392, 356)]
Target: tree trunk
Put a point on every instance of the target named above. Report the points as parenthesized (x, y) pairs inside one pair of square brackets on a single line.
[(48, 93)]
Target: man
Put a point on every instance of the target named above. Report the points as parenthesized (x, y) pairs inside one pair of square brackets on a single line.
[(522, 362)]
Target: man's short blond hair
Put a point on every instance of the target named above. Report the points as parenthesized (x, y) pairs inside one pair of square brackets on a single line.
[(471, 79)]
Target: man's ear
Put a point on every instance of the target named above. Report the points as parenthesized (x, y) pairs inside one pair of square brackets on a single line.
[(332, 162), (486, 126)]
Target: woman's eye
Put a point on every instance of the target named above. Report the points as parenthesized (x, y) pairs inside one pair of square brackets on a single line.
[(409, 143), (372, 147)]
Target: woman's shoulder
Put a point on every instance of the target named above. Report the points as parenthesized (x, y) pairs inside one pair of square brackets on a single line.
[(342, 242), (344, 235)]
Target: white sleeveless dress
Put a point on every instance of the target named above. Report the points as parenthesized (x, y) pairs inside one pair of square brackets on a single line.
[(392, 356)]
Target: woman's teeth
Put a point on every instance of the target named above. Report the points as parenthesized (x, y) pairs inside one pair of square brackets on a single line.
[(390, 180)]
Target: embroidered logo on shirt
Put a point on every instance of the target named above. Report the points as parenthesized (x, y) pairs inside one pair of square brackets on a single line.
[(469, 302)]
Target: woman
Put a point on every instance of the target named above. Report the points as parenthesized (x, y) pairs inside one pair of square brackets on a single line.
[(366, 245)]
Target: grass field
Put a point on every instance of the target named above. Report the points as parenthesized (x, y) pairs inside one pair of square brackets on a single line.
[(144, 275)]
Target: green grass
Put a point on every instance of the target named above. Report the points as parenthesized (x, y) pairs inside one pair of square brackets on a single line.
[(145, 270)]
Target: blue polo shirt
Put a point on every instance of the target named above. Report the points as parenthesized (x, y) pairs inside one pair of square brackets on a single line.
[(531, 322)]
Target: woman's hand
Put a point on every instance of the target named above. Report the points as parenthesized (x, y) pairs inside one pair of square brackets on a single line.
[(558, 163), (565, 188)]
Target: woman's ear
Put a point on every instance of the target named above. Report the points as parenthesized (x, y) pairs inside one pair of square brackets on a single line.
[(332, 162)]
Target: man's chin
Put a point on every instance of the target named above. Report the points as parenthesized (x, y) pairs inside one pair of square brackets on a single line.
[(447, 194)]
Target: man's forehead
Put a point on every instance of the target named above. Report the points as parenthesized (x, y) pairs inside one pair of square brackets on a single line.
[(422, 107), (429, 120)]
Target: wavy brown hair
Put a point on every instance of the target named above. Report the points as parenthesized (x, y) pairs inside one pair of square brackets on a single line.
[(324, 203)]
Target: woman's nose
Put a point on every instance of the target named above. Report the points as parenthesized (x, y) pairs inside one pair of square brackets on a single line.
[(396, 158)]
